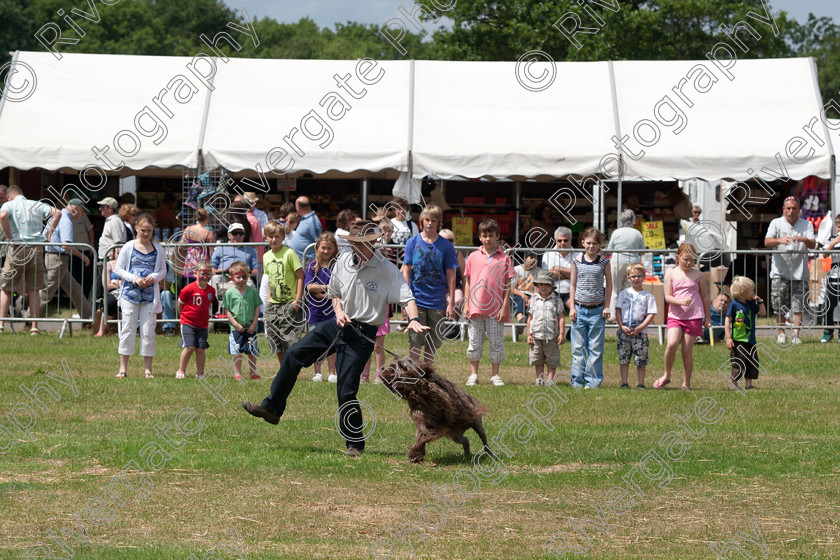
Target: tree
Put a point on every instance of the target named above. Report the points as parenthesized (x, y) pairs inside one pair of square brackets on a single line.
[(640, 30), (820, 38)]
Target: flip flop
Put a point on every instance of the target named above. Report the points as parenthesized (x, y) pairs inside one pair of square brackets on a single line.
[(659, 384)]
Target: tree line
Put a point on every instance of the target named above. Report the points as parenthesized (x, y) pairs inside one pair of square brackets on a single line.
[(472, 30)]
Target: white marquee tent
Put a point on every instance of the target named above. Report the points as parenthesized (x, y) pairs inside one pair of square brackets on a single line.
[(472, 119)]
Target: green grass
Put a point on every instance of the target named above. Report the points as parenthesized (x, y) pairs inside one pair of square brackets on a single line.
[(289, 492)]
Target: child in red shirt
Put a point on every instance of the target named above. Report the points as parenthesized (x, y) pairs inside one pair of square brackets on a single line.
[(194, 306)]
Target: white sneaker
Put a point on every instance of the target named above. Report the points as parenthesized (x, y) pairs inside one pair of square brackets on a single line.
[(782, 338), (795, 339), (318, 377), (540, 381), (497, 381), (333, 378), (179, 375), (472, 380)]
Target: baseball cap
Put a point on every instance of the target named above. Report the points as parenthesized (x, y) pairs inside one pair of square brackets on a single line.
[(236, 226), (109, 201)]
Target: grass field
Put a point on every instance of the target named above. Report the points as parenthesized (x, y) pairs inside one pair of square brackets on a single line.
[(662, 491)]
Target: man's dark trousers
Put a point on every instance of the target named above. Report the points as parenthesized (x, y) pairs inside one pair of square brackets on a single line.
[(352, 352)]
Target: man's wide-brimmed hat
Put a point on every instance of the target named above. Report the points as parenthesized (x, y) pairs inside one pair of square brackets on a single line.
[(362, 231)]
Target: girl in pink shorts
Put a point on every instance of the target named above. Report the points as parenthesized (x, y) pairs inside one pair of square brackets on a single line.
[(688, 298)]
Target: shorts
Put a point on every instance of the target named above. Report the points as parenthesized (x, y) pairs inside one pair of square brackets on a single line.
[(787, 293), (480, 326), (744, 357), (693, 327), (430, 318), (24, 268), (248, 346), (545, 352), (193, 337), (635, 346), (283, 326)]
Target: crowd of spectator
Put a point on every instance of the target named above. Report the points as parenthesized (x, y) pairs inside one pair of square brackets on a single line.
[(287, 259)]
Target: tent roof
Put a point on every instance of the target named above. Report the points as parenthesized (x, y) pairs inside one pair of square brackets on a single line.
[(256, 103), (84, 100), (738, 125), (447, 118)]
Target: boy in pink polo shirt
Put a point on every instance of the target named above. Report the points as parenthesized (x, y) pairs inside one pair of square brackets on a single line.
[(488, 277)]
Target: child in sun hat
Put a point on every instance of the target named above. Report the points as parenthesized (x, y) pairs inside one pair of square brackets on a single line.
[(546, 327)]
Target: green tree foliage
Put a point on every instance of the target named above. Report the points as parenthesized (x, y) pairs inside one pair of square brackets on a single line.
[(173, 28), (640, 30), (820, 38)]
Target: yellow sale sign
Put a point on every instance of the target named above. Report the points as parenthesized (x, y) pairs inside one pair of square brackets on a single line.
[(654, 235), (463, 230)]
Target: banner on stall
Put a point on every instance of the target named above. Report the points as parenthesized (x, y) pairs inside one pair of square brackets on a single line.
[(654, 234)]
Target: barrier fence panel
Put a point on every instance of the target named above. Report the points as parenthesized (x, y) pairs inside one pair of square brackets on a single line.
[(718, 267), (44, 283)]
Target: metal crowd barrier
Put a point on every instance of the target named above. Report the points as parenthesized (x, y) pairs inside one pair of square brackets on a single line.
[(176, 256), (755, 264), (64, 277)]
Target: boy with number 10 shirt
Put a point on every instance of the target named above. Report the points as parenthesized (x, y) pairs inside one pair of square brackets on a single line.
[(194, 305)]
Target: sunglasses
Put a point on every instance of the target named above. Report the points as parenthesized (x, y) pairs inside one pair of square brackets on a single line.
[(237, 233)]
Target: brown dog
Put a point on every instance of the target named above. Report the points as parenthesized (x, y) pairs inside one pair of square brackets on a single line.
[(438, 407)]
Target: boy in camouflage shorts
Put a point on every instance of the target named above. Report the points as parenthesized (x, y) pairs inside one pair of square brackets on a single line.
[(634, 311)]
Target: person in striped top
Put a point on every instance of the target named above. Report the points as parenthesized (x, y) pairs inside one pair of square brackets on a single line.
[(589, 307)]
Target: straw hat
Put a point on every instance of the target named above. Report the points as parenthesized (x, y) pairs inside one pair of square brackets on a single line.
[(362, 231)]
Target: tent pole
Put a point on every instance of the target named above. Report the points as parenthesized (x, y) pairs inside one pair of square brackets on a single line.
[(620, 194), (620, 143), (517, 197), (364, 197), (832, 187)]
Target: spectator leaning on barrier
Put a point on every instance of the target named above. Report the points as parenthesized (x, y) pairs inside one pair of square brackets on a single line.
[(226, 255), (23, 222), (57, 264), (308, 230), (250, 199), (113, 232), (716, 315), (626, 237), (789, 272), (82, 233), (560, 262)]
